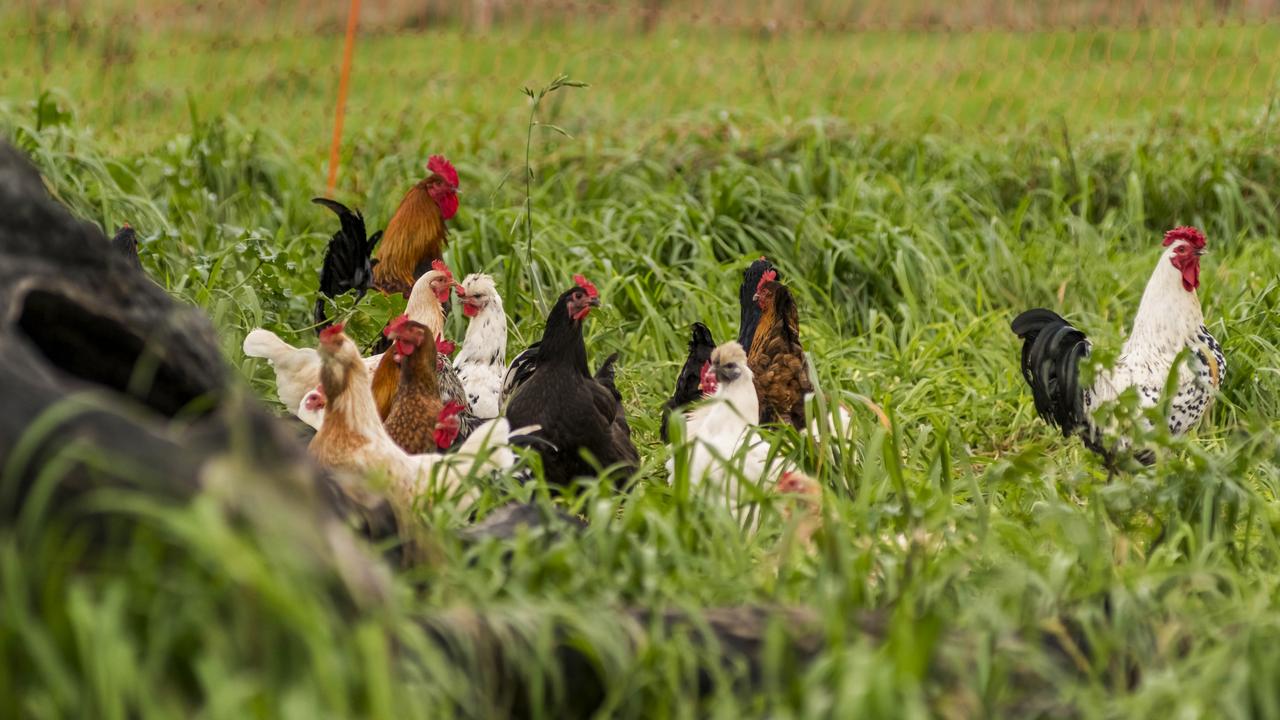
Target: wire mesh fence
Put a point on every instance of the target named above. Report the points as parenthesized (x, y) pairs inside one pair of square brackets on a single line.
[(134, 69)]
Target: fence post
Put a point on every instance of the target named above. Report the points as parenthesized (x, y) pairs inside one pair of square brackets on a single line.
[(344, 80)]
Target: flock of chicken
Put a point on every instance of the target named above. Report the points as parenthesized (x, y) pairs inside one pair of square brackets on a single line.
[(429, 427)]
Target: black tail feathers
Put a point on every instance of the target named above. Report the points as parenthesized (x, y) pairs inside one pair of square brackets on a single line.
[(688, 387), (347, 263), (1051, 353)]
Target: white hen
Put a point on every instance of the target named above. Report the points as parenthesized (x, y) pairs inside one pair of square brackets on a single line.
[(482, 361), (725, 449)]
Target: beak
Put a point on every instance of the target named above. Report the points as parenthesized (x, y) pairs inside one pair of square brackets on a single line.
[(755, 298), (593, 302), (1201, 252)]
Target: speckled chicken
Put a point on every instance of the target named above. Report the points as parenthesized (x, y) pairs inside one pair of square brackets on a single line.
[(1169, 322)]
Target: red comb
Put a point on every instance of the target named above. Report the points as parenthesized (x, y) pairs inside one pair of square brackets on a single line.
[(395, 326), (439, 266), (437, 164), (707, 382), (587, 285), (451, 409), (445, 347), (767, 276), (329, 332), (1185, 232)]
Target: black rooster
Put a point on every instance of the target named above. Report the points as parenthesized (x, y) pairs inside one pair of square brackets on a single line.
[(577, 412), (689, 382), (347, 265)]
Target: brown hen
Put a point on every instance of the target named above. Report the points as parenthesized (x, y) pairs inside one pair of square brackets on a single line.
[(411, 422), (777, 358)]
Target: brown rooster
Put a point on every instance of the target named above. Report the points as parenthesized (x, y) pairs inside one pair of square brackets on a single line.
[(776, 357), (416, 405), (416, 235)]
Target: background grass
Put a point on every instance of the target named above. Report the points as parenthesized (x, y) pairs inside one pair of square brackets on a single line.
[(917, 190)]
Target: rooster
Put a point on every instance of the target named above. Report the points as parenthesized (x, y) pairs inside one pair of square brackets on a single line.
[(1169, 321), (776, 356), (346, 261), (576, 411), (416, 237), (689, 382), (353, 438), (482, 360), (416, 403)]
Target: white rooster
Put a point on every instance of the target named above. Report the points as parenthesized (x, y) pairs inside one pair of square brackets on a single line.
[(482, 361), (1169, 321)]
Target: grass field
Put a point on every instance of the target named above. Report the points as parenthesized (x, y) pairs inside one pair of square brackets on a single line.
[(911, 232)]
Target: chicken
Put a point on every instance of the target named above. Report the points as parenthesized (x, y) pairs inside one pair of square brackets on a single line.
[(482, 361), (749, 309), (802, 497), (1169, 321), (724, 447), (346, 261), (416, 404), (416, 237), (311, 409), (576, 411), (125, 243), (689, 382), (354, 441), (776, 357), (298, 369)]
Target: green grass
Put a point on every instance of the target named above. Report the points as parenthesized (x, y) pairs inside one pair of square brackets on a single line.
[(910, 246)]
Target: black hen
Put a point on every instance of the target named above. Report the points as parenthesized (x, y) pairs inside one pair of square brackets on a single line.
[(125, 243), (577, 412), (689, 382), (1051, 353), (519, 372), (750, 310), (347, 265)]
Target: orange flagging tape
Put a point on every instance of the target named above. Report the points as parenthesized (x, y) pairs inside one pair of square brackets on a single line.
[(343, 80)]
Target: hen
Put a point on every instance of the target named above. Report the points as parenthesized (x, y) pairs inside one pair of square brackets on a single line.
[(416, 404), (353, 439), (416, 236), (577, 412), (724, 447), (689, 382), (1169, 322), (481, 362), (297, 369), (125, 243), (749, 309), (776, 357)]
